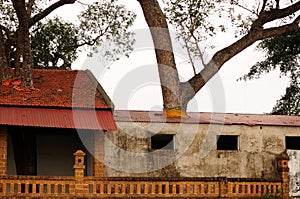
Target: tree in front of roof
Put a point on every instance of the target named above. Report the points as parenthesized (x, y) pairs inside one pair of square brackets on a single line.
[(257, 23), (20, 20), (283, 53)]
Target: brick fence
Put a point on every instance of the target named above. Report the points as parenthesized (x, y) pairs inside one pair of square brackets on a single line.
[(80, 186)]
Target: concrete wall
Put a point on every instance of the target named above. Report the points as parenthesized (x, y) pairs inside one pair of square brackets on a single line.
[(294, 174), (128, 151)]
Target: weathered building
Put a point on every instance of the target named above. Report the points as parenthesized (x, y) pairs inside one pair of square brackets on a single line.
[(204, 145), (138, 153), (65, 108)]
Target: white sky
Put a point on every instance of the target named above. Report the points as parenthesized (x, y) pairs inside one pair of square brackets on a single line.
[(131, 86)]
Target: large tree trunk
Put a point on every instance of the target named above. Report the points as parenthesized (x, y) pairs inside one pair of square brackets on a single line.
[(168, 73), (24, 53), (4, 65), (24, 141), (176, 95)]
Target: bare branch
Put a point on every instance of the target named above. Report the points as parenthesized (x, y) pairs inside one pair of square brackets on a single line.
[(190, 56), (243, 7), (84, 4), (263, 6), (277, 4), (271, 15), (48, 10), (29, 7), (200, 51)]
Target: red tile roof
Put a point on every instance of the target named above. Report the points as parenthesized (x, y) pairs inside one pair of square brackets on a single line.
[(62, 99), (59, 88), (207, 118)]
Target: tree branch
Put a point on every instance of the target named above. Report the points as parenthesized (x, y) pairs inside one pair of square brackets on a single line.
[(244, 7), (6, 30), (48, 10), (29, 7), (222, 56), (271, 15), (263, 6)]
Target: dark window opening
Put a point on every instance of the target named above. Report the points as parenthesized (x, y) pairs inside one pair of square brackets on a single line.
[(227, 142), (292, 142), (162, 141)]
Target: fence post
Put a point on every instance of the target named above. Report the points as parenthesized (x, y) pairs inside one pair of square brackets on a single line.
[(98, 165), (79, 167), (223, 184), (283, 168)]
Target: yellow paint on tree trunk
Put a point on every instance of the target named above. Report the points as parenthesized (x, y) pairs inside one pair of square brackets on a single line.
[(175, 113)]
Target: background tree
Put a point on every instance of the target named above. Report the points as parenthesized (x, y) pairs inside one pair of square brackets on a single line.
[(283, 53), (176, 94), (99, 21), (52, 42)]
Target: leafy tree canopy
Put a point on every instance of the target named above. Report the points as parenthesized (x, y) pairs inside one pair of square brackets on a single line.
[(282, 53), (55, 43)]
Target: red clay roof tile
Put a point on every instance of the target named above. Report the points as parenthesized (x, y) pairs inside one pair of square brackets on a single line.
[(58, 88)]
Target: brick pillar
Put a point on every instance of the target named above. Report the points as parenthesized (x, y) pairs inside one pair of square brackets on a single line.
[(79, 167), (3, 150), (283, 169), (98, 165), (223, 187)]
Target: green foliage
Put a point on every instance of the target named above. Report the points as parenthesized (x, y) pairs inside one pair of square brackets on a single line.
[(283, 53), (111, 27), (53, 40), (289, 103), (198, 21), (8, 17)]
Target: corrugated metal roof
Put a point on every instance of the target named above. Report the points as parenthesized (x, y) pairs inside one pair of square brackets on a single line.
[(58, 118), (207, 118)]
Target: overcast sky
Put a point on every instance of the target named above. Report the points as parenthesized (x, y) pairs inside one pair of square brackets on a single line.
[(133, 83)]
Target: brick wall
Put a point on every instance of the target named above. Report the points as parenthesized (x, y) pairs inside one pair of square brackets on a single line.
[(3, 150), (98, 165)]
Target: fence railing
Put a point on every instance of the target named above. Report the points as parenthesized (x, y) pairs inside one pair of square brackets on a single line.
[(91, 187), (34, 186), (80, 186)]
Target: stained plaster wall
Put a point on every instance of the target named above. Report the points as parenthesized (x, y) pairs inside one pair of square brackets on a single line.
[(128, 150), (294, 174)]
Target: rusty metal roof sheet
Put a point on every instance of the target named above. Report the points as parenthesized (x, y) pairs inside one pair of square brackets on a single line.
[(58, 118), (207, 118)]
